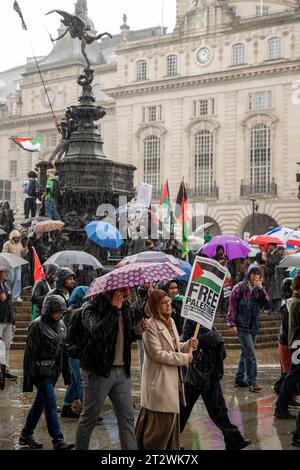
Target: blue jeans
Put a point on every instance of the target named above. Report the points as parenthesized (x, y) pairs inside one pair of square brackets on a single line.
[(247, 369), (45, 400), (14, 279), (74, 390), (289, 388), (51, 210)]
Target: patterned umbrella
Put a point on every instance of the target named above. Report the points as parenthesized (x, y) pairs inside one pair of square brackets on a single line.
[(133, 275), (48, 226), (149, 257), (234, 247)]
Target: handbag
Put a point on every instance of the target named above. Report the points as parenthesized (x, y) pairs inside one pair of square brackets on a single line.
[(46, 368)]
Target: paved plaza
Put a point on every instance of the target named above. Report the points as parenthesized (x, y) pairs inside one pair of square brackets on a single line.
[(252, 412)]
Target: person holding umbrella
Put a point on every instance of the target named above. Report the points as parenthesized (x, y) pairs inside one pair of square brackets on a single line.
[(105, 364)]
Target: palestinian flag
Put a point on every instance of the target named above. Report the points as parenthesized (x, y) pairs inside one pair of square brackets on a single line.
[(165, 197), (181, 214), (209, 274), (28, 144)]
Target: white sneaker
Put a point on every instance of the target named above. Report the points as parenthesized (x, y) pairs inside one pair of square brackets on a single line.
[(19, 299)]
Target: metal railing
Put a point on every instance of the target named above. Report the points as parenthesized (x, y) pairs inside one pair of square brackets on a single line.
[(204, 192), (258, 189)]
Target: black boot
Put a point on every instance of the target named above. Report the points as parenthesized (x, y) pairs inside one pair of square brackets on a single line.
[(234, 440), (67, 412)]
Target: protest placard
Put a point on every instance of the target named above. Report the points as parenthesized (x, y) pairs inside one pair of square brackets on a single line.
[(144, 195), (203, 291)]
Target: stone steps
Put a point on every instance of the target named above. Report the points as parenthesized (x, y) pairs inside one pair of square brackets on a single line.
[(23, 319)]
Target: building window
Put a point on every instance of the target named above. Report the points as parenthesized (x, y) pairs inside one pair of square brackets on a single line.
[(204, 156), (260, 159), (13, 168), (13, 199), (141, 70), (204, 107), (152, 113), (260, 100), (97, 92), (152, 161), (261, 10), (172, 65), (5, 190), (274, 48), (238, 54)]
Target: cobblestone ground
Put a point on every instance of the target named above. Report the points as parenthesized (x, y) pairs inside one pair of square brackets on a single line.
[(253, 413)]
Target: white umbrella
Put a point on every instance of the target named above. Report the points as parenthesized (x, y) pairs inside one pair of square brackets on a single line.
[(203, 227), (290, 261), (11, 261), (67, 258)]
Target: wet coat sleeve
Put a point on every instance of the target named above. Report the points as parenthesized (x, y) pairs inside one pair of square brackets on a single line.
[(158, 354), (233, 305), (31, 356)]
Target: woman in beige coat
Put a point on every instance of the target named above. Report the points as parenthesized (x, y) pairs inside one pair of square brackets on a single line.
[(157, 427)]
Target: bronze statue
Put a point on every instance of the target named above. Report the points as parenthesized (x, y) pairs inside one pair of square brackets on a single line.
[(79, 26)]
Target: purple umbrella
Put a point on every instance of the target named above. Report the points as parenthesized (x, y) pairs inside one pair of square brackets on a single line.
[(233, 246), (133, 275)]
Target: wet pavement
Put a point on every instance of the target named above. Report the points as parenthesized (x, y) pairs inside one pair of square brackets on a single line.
[(252, 412)]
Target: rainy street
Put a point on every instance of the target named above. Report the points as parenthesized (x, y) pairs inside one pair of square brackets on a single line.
[(252, 412)]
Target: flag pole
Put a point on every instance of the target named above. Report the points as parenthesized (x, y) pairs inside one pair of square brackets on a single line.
[(17, 8)]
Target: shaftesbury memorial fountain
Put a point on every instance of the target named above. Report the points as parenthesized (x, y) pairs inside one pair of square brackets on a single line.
[(87, 177)]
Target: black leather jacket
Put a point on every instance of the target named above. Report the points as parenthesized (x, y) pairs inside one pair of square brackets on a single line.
[(100, 321), (45, 342)]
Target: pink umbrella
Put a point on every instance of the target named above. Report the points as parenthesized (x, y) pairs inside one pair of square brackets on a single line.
[(133, 275)]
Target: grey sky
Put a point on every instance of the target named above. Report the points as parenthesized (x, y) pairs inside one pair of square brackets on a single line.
[(106, 15)]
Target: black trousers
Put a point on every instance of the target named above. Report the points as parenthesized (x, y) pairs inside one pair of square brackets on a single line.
[(29, 206), (289, 388), (214, 403)]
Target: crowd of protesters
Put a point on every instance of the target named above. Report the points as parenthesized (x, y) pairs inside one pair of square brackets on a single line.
[(171, 358)]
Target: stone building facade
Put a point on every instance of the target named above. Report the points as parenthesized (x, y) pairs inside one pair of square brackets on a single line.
[(216, 101)]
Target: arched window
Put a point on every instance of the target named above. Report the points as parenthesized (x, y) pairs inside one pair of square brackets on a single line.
[(152, 161), (141, 70), (274, 48), (238, 54), (260, 159), (204, 157), (172, 65)]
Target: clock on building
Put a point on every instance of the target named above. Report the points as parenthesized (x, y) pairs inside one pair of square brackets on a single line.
[(204, 55)]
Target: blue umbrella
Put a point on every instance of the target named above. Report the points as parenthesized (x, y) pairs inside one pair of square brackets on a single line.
[(104, 234), (187, 268)]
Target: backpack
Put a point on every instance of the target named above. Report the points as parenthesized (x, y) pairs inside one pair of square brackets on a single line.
[(75, 332), (31, 189)]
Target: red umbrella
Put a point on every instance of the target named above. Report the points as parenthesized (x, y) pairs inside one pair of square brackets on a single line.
[(133, 275), (264, 240)]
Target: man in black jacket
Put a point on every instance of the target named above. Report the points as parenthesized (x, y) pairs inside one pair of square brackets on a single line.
[(43, 287), (203, 378), (44, 360), (7, 318), (105, 364), (65, 283)]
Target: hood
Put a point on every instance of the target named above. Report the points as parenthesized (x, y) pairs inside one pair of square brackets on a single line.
[(77, 296), (286, 288), (251, 268), (14, 234), (62, 275), (51, 269), (5, 205), (52, 304)]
